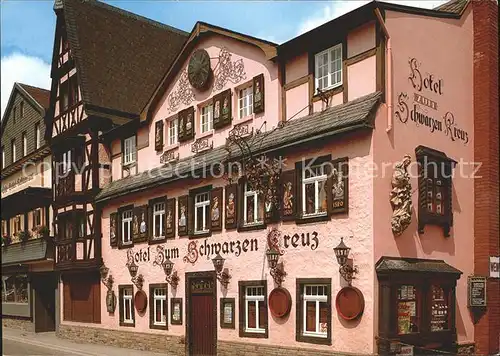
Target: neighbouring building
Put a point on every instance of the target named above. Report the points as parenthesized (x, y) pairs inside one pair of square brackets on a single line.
[(29, 283), (215, 193)]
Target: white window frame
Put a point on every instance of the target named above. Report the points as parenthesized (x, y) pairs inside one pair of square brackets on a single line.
[(313, 298), (207, 118), (3, 157), (25, 143), (37, 136), (249, 194), (245, 102), (126, 220), (129, 150), (316, 180), (158, 211), (13, 147), (127, 299), (257, 299), (204, 205), (173, 131), (330, 70), (161, 295), (66, 162)]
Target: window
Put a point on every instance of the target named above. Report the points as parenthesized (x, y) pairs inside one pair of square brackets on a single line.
[(24, 144), (206, 118), (15, 289), (3, 157), (245, 102), (13, 150), (408, 310), (129, 150), (201, 212), (37, 217), (328, 65), (314, 310), (172, 132), (65, 227), (159, 220), (21, 109), (254, 318), (66, 162), (253, 210), (440, 316), (80, 224), (126, 305), (314, 191), (63, 97), (37, 136), (127, 227), (14, 116), (159, 306)]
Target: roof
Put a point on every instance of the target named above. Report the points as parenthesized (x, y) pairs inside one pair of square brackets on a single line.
[(356, 114), (401, 264), (120, 56), (199, 30), (41, 96), (454, 6), (30, 251)]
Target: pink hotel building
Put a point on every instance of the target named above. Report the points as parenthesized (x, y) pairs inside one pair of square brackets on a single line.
[(358, 233)]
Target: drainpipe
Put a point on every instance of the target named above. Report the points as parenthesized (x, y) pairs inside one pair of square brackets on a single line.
[(388, 56)]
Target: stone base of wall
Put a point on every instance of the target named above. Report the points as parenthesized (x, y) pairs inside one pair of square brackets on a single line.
[(126, 339), (466, 349), (233, 348), (17, 323)]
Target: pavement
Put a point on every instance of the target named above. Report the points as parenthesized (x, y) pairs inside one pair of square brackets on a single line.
[(24, 343)]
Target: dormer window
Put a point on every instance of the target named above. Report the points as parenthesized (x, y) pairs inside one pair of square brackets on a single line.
[(328, 68), (206, 118)]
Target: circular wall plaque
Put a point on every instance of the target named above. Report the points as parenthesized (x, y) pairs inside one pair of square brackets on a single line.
[(280, 302), (140, 301), (350, 303), (199, 70)]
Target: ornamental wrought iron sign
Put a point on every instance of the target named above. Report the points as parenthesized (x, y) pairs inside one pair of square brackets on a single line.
[(182, 94), (169, 156), (201, 144), (227, 70)]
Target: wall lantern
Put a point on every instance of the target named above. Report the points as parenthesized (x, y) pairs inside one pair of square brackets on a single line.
[(222, 274), (277, 269), (171, 277), (108, 281), (342, 254)]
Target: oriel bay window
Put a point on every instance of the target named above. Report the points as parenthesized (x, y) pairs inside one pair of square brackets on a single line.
[(126, 298), (417, 302), (328, 68), (253, 309), (158, 306), (314, 311)]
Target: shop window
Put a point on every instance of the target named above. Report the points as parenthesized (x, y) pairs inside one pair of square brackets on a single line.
[(158, 220), (314, 311), (126, 228), (435, 189), (253, 208), (15, 289), (408, 310), (440, 316), (253, 309), (172, 131), (126, 297), (206, 118), (328, 68), (245, 102), (201, 212), (158, 306), (129, 150)]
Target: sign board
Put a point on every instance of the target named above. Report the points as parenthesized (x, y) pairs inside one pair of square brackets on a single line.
[(495, 267), (405, 350), (476, 291)]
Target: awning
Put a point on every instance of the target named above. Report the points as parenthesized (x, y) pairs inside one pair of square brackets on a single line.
[(25, 253), (388, 265), (25, 200)]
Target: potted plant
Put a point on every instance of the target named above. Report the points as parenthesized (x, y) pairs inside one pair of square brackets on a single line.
[(24, 236), (6, 240), (43, 231)]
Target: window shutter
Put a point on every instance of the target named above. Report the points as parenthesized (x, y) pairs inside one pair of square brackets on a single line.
[(226, 113), (113, 229), (241, 202), (258, 94), (216, 209), (181, 126), (217, 111), (191, 214), (338, 187), (183, 215), (231, 208), (159, 135), (170, 218), (120, 303), (271, 210), (298, 189), (288, 195), (151, 307), (189, 122), (139, 224)]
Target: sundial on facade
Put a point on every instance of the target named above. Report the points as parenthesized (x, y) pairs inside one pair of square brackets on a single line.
[(199, 71)]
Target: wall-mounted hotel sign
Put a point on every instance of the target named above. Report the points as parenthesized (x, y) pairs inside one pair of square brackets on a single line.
[(495, 267), (476, 291), (15, 183), (423, 111)]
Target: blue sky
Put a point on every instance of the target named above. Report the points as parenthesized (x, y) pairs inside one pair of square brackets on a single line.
[(27, 27)]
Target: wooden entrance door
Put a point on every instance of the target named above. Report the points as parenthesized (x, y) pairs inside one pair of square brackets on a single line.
[(202, 314), (44, 287)]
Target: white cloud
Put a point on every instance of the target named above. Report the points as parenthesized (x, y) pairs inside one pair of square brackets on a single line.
[(25, 69), (335, 9)]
